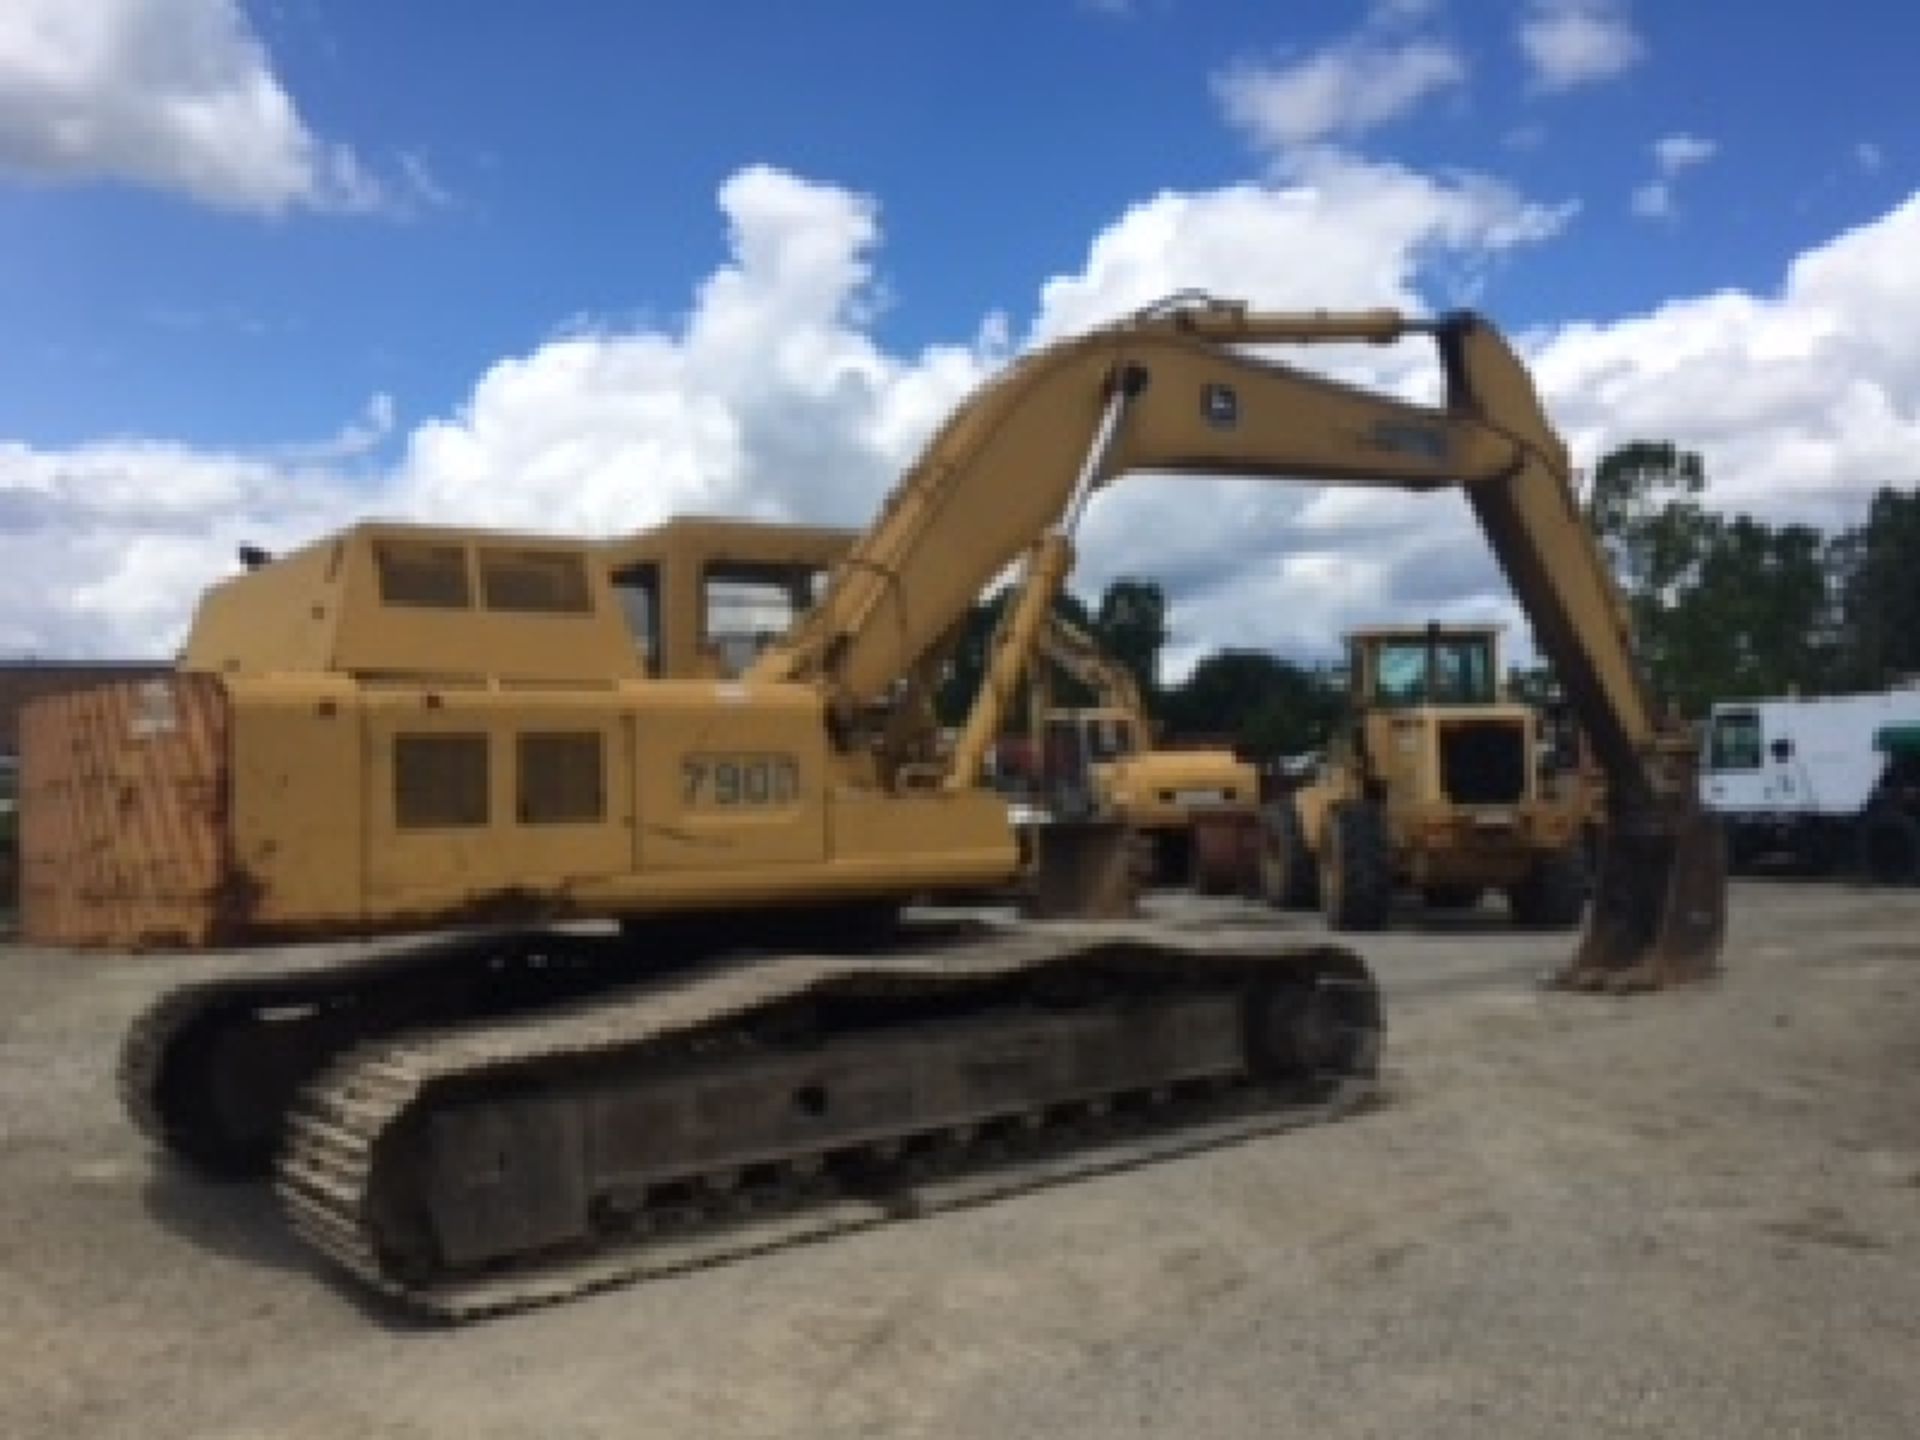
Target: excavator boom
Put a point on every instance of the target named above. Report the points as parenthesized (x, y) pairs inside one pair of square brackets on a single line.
[(1175, 390)]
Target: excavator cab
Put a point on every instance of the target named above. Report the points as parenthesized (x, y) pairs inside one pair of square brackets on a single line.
[(704, 596)]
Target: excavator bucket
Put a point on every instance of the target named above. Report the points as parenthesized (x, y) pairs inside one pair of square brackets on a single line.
[(1659, 909), (1083, 870)]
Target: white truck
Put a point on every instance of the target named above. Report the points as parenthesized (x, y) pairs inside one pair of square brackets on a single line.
[(1822, 785)]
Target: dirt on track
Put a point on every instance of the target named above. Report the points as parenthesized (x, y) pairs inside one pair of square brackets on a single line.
[(1696, 1214)]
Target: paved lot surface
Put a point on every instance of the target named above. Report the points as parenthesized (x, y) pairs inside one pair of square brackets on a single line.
[(1696, 1215)]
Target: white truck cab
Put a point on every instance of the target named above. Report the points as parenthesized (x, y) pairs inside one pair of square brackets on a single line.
[(1799, 779)]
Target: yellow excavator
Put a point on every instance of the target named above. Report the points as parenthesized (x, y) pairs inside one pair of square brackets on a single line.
[(1102, 760), (434, 750)]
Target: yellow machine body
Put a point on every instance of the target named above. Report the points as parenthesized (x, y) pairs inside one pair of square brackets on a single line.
[(405, 726)]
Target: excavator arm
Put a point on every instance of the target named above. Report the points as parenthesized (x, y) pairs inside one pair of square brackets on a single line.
[(1176, 390), (1071, 650)]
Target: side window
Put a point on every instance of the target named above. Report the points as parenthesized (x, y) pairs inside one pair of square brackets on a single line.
[(414, 572), (534, 582), (1735, 742), (748, 607), (638, 589)]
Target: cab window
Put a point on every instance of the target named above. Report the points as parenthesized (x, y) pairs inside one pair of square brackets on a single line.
[(1446, 672), (749, 606), (1735, 742)]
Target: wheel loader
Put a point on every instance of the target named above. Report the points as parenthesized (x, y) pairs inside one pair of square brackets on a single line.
[(525, 992), (1436, 783)]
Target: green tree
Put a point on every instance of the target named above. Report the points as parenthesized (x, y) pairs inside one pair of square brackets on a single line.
[(1265, 705), (1721, 608), (1644, 506), (1752, 622), (968, 665), (1874, 571), (1131, 627)]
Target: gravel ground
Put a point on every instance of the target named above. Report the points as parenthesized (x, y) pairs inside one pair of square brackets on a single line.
[(1691, 1215)]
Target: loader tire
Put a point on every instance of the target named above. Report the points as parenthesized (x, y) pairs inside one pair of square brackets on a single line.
[(1356, 868), (1890, 848), (1554, 894), (1289, 879)]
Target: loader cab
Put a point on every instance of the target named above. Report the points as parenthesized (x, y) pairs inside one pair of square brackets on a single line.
[(1432, 665), (1429, 721), (703, 597)]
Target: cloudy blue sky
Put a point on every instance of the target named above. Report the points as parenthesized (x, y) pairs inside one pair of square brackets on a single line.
[(268, 267)]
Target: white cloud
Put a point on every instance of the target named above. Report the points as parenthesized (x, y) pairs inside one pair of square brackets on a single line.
[(1339, 231), (174, 94), (1672, 155), (770, 398), (773, 397), (1568, 43), (355, 440), (1802, 402), (1341, 92), (104, 546), (1653, 200)]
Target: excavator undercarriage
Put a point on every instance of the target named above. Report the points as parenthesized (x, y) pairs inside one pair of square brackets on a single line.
[(485, 1123)]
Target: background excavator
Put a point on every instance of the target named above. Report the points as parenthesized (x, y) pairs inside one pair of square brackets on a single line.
[(1102, 760), (406, 729)]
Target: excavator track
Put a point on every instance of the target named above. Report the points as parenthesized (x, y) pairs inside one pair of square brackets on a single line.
[(209, 1069), (482, 1169), (489, 1122)]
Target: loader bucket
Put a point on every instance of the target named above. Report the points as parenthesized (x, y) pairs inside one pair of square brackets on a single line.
[(1659, 909), (1082, 870)]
